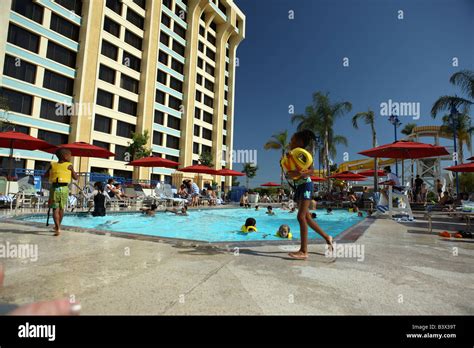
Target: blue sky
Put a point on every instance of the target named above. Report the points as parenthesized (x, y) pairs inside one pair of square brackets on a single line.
[(283, 61)]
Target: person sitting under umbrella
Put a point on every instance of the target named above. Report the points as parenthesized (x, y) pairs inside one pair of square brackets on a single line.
[(392, 180)]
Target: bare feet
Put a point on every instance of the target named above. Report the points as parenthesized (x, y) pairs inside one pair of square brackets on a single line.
[(298, 255), (57, 232), (330, 244)]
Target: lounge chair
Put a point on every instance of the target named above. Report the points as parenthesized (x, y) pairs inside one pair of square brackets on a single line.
[(402, 207), (169, 196)]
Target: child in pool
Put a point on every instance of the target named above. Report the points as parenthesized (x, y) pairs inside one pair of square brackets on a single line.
[(314, 216), (250, 225), (359, 214), (270, 210), (329, 211), (256, 208), (284, 232), (150, 211), (292, 210), (304, 190)]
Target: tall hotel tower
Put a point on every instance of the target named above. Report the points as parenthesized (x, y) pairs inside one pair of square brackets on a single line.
[(98, 70)]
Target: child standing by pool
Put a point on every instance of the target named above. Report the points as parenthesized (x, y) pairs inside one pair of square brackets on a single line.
[(304, 189), (60, 174)]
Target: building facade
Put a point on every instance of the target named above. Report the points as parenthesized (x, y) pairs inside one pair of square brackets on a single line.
[(99, 70)]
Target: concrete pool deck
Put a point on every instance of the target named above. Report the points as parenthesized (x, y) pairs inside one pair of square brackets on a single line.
[(405, 270)]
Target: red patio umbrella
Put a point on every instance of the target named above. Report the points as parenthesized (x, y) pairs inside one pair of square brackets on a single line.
[(405, 150), (21, 141), (199, 169), (270, 184), (153, 161), (371, 172), (349, 176), (462, 168), (470, 158), (82, 149), (229, 172), (315, 178)]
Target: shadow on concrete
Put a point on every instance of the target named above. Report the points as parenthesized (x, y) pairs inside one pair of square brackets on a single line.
[(34, 232), (275, 254)]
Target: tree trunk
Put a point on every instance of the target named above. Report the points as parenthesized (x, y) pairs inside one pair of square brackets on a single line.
[(460, 149)]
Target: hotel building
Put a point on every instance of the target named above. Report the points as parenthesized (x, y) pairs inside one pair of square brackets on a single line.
[(98, 70)]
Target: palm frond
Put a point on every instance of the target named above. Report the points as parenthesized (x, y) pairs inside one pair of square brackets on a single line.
[(465, 80)]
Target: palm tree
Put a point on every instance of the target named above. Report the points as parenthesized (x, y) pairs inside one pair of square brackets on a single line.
[(319, 118), (408, 129), (464, 79), (369, 118), (250, 171), (278, 141), (463, 131)]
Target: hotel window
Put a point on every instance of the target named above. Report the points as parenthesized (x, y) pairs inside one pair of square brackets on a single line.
[(161, 77), (225, 109), (126, 174), (168, 3), (207, 117), (157, 138), (111, 27), (208, 101), (202, 31), (172, 142), (160, 97), (209, 69), (210, 54), (61, 54), (178, 29), (172, 158), (105, 98), (115, 5), (206, 133), (133, 40), (165, 20), (20, 129), (201, 47), (174, 122), (163, 58), (19, 69), (58, 83), (211, 38), (198, 96), (64, 27), (224, 139), (213, 26), (128, 83), (176, 84), (159, 117), (209, 85), (205, 149), (174, 103), (23, 38), (17, 102), (103, 145), (73, 5), (164, 38), (226, 95), (120, 152), (109, 50), (130, 61), (225, 124), (222, 8), (197, 130), (226, 80), (178, 48), (199, 79), (135, 19), (54, 111), (125, 129), (107, 74), (200, 63), (180, 12), (196, 148), (227, 66), (127, 106), (177, 66), (197, 113), (227, 52), (102, 124), (52, 137), (141, 3), (28, 9)]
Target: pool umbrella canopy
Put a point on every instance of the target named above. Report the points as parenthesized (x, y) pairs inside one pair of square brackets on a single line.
[(405, 150), (270, 184), (229, 172), (315, 178), (21, 141), (470, 158), (371, 172), (199, 169), (154, 161), (462, 168), (82, 149), (349, 176)]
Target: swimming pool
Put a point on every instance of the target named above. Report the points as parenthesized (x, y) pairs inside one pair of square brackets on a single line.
[(209, 225)]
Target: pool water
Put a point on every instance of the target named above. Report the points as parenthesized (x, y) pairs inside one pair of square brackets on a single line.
[(210, 225)]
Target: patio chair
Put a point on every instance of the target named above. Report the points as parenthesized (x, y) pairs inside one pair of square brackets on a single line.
[(169, 196), (402, 206), (26, 197), (142, 197)]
